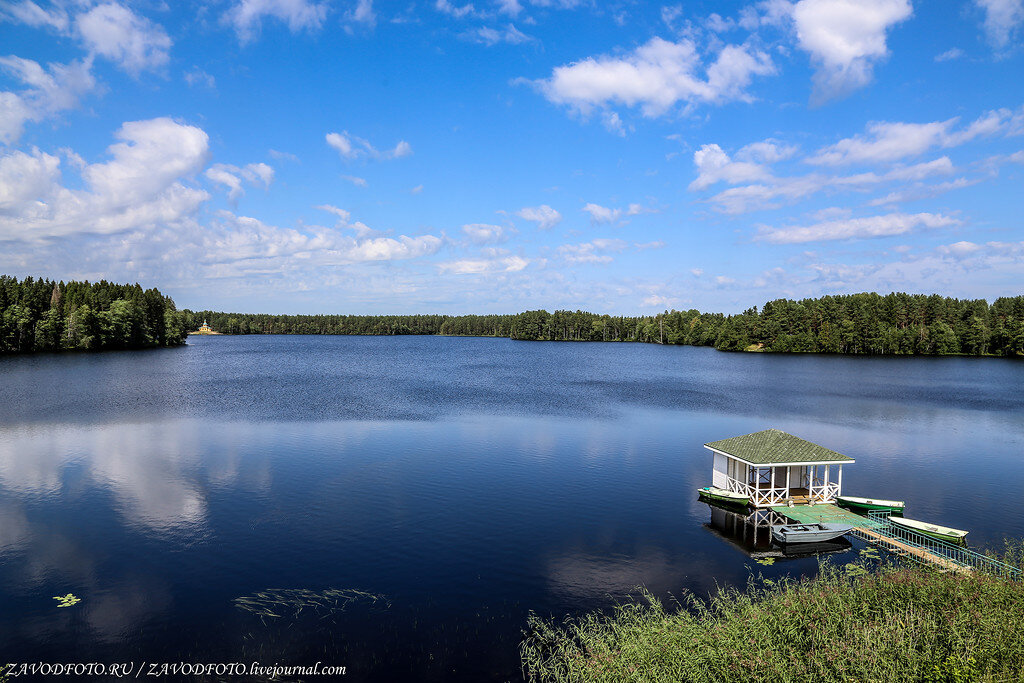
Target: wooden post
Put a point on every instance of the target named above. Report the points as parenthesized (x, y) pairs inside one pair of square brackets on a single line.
[(840, 492), (771, 492), (827, 476)]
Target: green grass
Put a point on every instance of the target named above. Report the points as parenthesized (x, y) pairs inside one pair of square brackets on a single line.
[(849, 623)]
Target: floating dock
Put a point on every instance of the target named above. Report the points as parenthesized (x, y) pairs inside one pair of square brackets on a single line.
[(877, 531), (825, 513)]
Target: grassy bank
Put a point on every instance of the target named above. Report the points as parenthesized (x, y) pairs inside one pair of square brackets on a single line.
[(847, 624)]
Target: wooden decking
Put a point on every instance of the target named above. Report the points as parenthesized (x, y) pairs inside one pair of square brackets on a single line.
[(904, 549), (867, 530), (824, 513)]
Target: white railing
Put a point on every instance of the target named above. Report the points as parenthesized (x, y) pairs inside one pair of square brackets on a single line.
[(825, 493)]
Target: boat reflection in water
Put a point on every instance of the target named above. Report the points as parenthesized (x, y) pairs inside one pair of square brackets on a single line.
[(753, 536)]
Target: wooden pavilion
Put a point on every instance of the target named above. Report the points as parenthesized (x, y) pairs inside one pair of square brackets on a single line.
[(772, 467)]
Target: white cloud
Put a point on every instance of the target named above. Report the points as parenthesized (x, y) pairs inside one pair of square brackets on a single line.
[(1003, 19), (595, 251), (949, 55), (484, 233), (301, 15), (363, 13), (48, 92), (857, 228), (457, 11), (544, 216), (341, 142), (771, 193), (231, 177), (510, 7), (115, 32), (714, 165), (890, 141), (140, 187), (656, 76), (342, 214), (604, 214), (960, 249), (491, 36), (481, 266), (766, 152), (351, 147), (355, 180), (197, 76), (31, 14), (845, 39)]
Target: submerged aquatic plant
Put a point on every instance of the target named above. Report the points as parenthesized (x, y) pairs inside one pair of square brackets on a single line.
[(67, 600), (279, 602)]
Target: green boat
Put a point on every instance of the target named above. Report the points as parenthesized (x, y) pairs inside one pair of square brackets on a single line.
[(862, 505), (943, 533), (723, 496)]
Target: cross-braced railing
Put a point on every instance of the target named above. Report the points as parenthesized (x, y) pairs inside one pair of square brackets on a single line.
[(957, 554)]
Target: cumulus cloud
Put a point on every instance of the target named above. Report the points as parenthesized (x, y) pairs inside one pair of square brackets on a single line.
[(1003, 19), (246, 16), (47, 91), (142, 185), (481, 266), (845, 39), (656, 76), (714, 165), (891, 141), (544, 216), (134, 43), (484, 233), (603, 214), (231, 177), (350, 147), (856, 228)]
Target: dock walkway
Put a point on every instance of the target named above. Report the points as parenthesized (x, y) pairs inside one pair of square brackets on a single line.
[(877, 531)]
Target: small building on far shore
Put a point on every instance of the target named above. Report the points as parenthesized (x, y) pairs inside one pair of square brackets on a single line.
[(204, 329), (772, 467)]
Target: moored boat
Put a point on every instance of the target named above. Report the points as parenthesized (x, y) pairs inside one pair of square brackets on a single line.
[(869, 504), (808, 533), (943, 533), (723, 495)]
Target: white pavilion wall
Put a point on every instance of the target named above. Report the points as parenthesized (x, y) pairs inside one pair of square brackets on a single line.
[(721, 469)]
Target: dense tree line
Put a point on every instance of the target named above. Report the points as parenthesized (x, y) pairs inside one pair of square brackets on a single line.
[(43, 315), (894, 324)]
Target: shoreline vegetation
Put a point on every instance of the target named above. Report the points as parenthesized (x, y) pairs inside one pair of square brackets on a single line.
[(38, 315), (859, 622), (857, 324)]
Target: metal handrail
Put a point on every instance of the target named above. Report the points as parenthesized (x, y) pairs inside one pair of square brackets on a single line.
[(955, 553)]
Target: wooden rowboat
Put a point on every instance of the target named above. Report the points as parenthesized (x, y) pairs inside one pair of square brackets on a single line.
[(723, 496), (808, 533), (867, 504), (943, 533)]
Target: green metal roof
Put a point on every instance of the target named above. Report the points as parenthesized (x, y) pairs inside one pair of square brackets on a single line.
[(772, 446)]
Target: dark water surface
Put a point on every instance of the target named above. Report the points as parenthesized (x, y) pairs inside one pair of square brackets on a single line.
[(465, 482)]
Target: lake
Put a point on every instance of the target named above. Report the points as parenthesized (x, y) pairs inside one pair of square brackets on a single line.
[(399, 505)]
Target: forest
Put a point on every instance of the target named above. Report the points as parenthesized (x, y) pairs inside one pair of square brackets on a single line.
[(43, 315), (867, 323)]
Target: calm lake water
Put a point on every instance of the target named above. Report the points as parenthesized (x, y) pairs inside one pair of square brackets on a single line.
[(462, 482)]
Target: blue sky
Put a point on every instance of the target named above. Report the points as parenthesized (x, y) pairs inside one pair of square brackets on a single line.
[(503, 155)]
